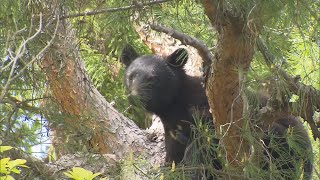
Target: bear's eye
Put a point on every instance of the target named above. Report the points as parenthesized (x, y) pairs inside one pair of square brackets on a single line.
[(155, 79), (132, 76), (150, 78)]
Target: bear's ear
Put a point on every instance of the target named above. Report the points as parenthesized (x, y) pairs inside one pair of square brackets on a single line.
[(178, 58), (128, 55)]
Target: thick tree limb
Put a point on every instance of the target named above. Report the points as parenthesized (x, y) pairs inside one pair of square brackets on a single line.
[(234, 53), (311, 97), (136, 5), (89, 121)]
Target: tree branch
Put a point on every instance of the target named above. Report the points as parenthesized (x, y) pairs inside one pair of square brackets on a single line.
[(203, 50), (19, 54), (311, 96), (108, 10), (23, 103)]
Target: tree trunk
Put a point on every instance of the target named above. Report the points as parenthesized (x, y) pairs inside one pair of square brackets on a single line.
[(89, 122), (235, 49)]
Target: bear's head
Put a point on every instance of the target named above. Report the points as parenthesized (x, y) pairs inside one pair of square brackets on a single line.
[(153, 80)]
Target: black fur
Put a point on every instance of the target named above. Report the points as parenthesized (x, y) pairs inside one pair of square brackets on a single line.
[(164, 88), (287, 144), (287, 156)]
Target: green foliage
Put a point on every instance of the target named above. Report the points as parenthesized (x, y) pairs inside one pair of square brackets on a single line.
[(8, 166), (140, 168), (106, 33), (187, 17), (304, 57), (78, 173), (52, 156), (21, 87)]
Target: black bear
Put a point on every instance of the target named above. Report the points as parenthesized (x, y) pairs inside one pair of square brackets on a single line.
[(288, 148), (163, 87)]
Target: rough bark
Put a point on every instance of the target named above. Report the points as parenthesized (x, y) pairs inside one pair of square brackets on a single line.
[(37, 168), (105, 164), (94, 123), (235, 49)]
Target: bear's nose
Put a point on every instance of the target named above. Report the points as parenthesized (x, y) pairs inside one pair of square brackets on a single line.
[(134, 89), (134, 92)]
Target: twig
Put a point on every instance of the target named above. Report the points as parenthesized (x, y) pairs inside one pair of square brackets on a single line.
[(9, 64), (18, 103), (219, 173), (108, 10), (19, 53), (41, 52), (141, 171)]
